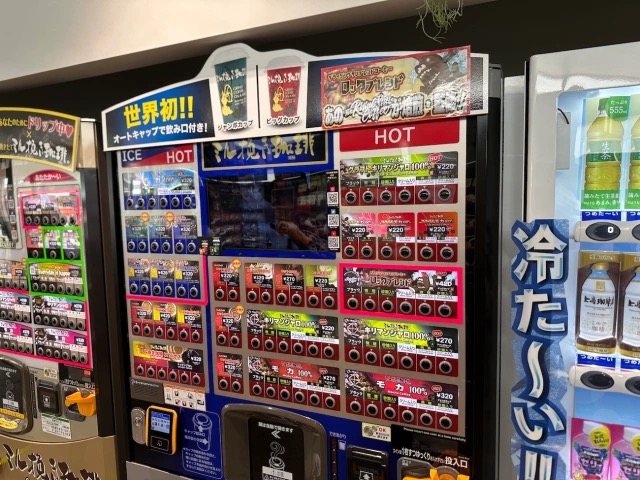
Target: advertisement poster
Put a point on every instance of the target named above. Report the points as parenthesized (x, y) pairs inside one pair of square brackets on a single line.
[(244, 94), (397, 89), (39, 136)]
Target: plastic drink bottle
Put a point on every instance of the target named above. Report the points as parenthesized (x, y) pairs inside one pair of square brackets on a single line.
[(626, 456), (631, 312), (597, 308), (604, 152), (590, 454), (634, 167)]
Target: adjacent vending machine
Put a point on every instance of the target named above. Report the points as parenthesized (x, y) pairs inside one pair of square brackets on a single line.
[(56, 413), (570, 410), (309, 262)]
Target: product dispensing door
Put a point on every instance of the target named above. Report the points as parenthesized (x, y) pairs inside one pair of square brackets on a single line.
[(56, 417), (299, 302)]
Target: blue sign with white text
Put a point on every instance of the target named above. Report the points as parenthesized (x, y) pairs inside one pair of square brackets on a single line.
[(275, 151), (539, 320), (178, 114)]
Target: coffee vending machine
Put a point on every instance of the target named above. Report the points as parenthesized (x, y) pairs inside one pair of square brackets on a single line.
[(56, 414), (304, 297)]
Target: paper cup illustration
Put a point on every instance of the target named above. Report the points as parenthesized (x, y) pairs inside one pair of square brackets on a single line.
[(231, 77), (202, 424), (284, 91)]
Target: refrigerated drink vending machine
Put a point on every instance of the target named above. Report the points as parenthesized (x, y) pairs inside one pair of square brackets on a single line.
[(308, 252), (571, 407), (56, 414)]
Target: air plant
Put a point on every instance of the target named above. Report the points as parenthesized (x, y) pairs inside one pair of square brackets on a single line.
[(442, 15)]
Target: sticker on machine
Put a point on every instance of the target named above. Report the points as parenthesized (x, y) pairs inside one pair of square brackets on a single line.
[(276, 450), (58, 426), (184, 397), (376, 432)]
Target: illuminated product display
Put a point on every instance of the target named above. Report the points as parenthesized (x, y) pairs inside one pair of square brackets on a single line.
[(306, 295), (57, 393)]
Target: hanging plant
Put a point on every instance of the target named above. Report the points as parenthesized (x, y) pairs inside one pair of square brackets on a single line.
[(442, 15)]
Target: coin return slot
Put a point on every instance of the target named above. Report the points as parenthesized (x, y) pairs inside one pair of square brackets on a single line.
[(404, 196), (406, 307), (368, 196), (386, 252), (446, 423), (407, 416), (444, 194), (386, 196), (350, 197), (388, 359), (371, 357), (426, 419), (426, 253), (444, 310), (366, 251), (446, 367), (447, 253)]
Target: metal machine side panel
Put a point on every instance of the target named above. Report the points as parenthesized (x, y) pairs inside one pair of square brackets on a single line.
[(549, 76), (97, 455), (512, 210), (136, 471)]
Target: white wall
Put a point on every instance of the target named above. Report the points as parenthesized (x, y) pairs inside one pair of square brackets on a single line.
[(46, 41)]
